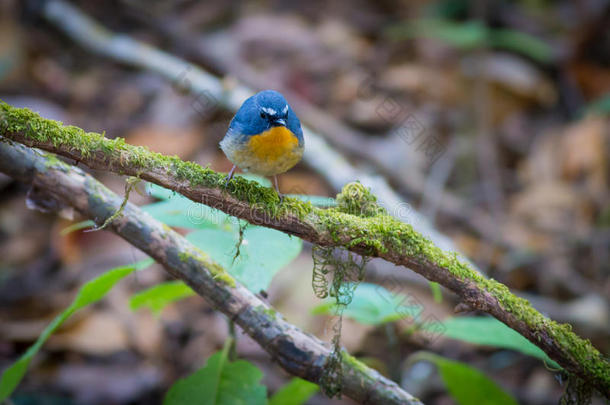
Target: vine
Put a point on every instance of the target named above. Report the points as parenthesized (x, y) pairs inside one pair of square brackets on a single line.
[(130, 184), (242, 228)]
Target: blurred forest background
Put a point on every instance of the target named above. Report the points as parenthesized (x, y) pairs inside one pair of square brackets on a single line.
[(517, 93)]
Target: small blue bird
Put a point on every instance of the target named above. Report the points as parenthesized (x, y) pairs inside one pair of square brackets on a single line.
[(264, 137)]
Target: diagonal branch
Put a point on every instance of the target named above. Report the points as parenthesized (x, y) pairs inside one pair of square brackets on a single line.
[(357, 224), (298, 353)]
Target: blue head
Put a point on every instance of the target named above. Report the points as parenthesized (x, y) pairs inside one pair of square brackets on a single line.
[(263, 111)]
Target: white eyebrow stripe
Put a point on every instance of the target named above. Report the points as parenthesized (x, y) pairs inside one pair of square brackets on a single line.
[(269, 111), (285, 110)]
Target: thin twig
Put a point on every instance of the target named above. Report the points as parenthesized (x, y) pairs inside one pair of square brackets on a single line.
[(129, 185)]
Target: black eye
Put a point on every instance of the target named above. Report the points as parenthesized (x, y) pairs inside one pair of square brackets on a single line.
[(263, 115)]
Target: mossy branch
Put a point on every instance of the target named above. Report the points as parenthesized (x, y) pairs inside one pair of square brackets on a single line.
[(297, 352), (357, 224)]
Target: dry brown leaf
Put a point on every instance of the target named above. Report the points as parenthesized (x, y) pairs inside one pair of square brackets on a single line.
[(296, 182), (593, 79), (584, 150), (108, 384), (542, 164), (520, 233), (100, 333), (11, 50), (513, 74), (438, 84), (146, 333), (169, 141), (26, 330), (552, 206)]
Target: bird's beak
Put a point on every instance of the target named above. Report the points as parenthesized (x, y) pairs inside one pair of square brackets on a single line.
[(280, 121)]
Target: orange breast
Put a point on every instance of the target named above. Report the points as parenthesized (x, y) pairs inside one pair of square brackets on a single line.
[(273, 144)]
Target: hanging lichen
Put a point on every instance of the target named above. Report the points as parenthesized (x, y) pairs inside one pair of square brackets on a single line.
[(578, 392), (336, 273), (321, 269)]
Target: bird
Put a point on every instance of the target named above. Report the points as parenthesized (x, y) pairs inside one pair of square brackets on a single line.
[(264, 137)]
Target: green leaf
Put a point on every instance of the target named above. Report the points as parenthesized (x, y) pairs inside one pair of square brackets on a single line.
[(262, 253), (296, 392), (159, 192), (463, 35), (373, 305), (181, 212), (158, 297), (95, 289), (491, 332), (77, 227), (144, 263), (437, 294), (466, 384), (90, 292), (325, 308), (176, 210), (470, 35), (220, 382), (521, 43)]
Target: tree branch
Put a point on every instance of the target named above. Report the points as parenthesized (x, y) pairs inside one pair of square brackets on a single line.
[(357, 224), (209, 92), (298, 353)]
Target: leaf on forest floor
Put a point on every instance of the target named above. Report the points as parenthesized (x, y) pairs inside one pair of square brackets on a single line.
[(90, 292), (220, 382), (466, 384)]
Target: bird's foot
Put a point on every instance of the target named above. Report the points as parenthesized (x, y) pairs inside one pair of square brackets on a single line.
[(229, 176), (277, 189)]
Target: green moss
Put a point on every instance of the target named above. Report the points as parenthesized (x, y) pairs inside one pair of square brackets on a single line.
[(185, 257), (224, 277), (52, 161), (580, 350), (268, 311), (356, 199), (295, 207), (355, 366), (354, 362), (217, 271)]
